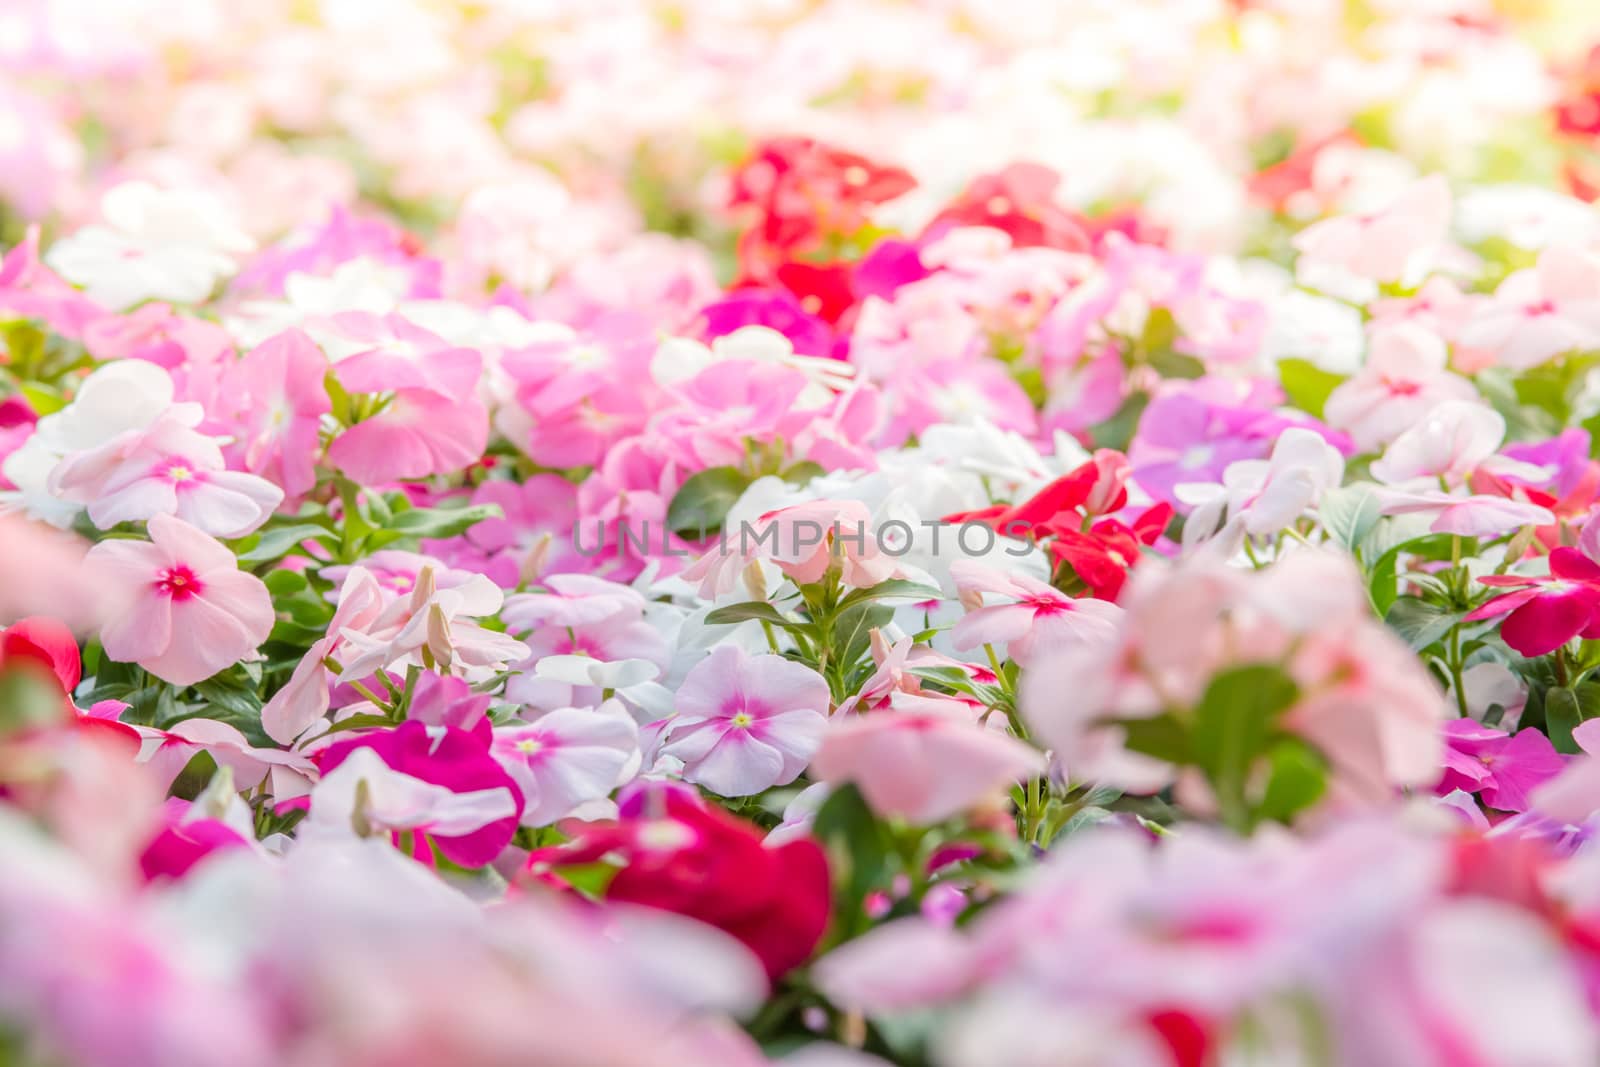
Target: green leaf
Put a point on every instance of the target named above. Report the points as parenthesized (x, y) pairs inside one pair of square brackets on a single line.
[(898, 588), (802, 472), (859, 850), (1382, 580), (702, 502), (274, 542), (1562, 713), (1161, 737), (759, 610), (852, 630), (439, 523), (230, 697), (1349, 514), (1232, 725), (1117, 431), (1420, 622), (1307, 384), (1297, 780)]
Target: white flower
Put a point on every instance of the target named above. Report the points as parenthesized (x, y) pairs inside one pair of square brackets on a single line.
[(154, 245), (128, 394)]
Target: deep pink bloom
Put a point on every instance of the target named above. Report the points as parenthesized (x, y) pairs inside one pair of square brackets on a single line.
[(1501, 768), (1545, 613), (457, 759), (183, 841)]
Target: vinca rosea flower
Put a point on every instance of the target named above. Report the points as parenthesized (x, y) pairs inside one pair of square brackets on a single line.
[(977, 534)]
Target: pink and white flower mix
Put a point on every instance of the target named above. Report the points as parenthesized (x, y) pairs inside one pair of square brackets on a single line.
[(830, 533)]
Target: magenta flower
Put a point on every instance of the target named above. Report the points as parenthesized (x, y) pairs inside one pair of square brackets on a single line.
[(747, 723), (461, 830), (1546, 612), (1501, 768), (192, 611)]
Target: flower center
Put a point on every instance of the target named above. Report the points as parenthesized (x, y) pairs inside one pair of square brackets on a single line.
[(179, 583), (743, 720)]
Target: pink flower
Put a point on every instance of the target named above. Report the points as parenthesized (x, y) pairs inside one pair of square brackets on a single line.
[(193, 611), (1503, 769), (924, 767), (747, 723), (287, 773), (430, 422), (166, 469), (1451, 441), (534, 537), (1541, 312), (1477, 515), (1388, 244), (280, 400), (1041, 621), (1574, 795), (186, 837), (1406, 376), (567, 757), (1546, 612), (446, 787), (304, 698)]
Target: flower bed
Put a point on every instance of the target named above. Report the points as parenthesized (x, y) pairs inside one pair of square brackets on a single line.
[(970, 534)]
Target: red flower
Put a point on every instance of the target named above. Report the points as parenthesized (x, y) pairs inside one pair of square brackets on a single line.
[(1546, 612), (803, 193), (1062, 516), (1578, 111), (47, 642), (1102, 556), (704, 863), (1021, 201)]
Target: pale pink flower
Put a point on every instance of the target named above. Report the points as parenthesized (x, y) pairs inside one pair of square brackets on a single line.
[(1406, 375), (1574, 795), (922, 766), (803, 541), (165, 469), (1263, 496), (1475, 515), (567, 757), (1039, 621), (747, 723), (437, 622), (1450, 442), (167, 752), (193, 613), (1541, 312), (279, 395), (1387, 244), (304, 697)]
